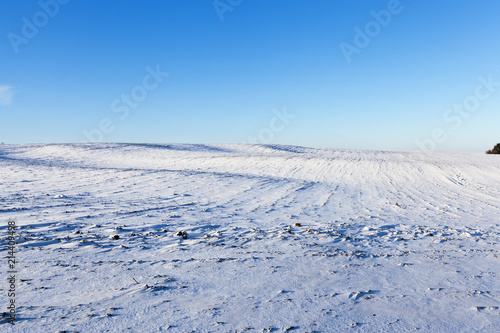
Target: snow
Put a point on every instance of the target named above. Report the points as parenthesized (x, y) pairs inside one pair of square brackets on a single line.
[(250, 238)]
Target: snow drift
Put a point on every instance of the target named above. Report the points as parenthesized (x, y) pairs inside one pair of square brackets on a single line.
[(145, 238)]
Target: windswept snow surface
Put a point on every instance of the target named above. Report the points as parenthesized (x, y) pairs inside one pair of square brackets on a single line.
[(257, 238)]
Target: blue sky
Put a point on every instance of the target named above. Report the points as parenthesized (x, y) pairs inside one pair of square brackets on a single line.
[(392, 75)]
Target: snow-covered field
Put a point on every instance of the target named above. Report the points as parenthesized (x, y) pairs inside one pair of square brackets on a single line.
[(257, 238)]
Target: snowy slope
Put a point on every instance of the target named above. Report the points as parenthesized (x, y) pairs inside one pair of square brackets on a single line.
[(276, 238)]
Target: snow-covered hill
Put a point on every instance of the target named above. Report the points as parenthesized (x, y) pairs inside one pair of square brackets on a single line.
[(226, 238)]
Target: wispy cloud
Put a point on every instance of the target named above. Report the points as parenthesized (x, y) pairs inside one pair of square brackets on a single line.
[(6, 94)]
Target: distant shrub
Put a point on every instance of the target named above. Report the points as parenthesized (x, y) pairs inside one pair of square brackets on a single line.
[(495, 150)]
